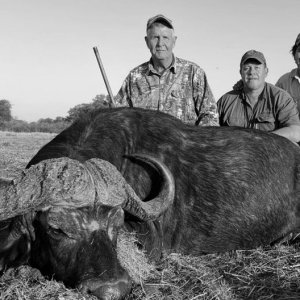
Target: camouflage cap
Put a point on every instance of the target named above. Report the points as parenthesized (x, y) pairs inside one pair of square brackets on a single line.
[(297, 42), (254, 55), (160, 19)]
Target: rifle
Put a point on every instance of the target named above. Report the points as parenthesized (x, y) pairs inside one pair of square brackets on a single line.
[(112, 102)]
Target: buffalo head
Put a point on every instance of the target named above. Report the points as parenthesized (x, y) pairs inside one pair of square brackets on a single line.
[(63, 217)]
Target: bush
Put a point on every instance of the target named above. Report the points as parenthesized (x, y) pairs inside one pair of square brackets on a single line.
[(43, 125), (16, 126)]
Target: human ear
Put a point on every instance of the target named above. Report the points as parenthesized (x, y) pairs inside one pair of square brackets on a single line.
[(175, 39), (146, 40), (266, 71)]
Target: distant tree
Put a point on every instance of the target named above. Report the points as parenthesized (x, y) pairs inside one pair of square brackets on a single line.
[(50, 125), (46, 120), (59, 119), (17, 126), (7, 122), (76, 111), (5, 111), (100, 101)]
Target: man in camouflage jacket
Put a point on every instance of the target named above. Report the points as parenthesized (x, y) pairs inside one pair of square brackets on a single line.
[(167, 83)]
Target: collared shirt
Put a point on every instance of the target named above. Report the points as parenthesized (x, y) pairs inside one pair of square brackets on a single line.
[(182, 91), (275, 109), (290, 82)]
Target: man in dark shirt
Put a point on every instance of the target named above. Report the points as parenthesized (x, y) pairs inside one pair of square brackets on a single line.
[(258, 104)]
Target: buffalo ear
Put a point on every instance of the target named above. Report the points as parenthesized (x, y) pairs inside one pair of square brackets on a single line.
[(16, 235), (114, 222), (15, 241), (16, 254)]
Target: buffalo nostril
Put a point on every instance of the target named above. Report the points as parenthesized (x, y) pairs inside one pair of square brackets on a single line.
[(83, 288), (106, 291)]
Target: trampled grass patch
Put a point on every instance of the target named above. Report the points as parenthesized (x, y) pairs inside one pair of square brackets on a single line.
[(259, 274)]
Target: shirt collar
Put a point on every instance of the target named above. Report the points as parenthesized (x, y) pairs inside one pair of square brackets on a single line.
[(261, 96), (172, 67), (294, 74)]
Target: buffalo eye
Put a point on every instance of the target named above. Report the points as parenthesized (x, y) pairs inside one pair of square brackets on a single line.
[(56, 233)]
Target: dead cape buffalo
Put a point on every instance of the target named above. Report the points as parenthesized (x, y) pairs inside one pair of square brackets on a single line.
[(64, 217), (234, 189)]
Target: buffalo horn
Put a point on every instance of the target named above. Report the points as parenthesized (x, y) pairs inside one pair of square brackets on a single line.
[(66, 182), (125, 196), (54, 182)]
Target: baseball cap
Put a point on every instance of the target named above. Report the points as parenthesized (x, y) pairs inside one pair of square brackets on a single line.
[(254, 55), (297, 42), (160, 19)]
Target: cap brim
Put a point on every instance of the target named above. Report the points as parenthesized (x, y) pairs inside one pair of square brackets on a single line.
[(162, 20), (251, 57)]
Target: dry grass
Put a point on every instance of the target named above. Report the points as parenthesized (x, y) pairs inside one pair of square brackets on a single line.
[(260, 274), (25, 283), (133, 259), (16, 149), (255, 275)]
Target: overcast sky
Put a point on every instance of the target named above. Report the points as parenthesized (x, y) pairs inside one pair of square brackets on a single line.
[(47, 63)]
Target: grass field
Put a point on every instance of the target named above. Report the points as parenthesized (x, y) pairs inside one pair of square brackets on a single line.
[(270, 273), (16, 149)]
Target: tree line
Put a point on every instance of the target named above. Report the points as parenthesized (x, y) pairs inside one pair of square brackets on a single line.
[(9, 123)]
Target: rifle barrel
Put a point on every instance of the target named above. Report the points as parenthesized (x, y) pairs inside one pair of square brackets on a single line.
[(112, 102)]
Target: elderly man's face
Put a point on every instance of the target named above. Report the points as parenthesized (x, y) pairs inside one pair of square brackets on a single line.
[(160, 41), (253, 74)]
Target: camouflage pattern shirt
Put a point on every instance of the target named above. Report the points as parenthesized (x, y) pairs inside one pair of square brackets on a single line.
[(182, 91)]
